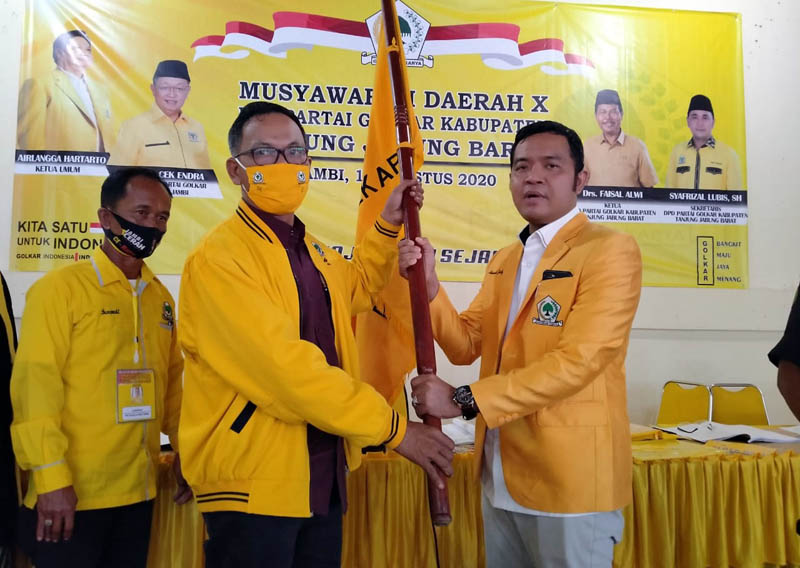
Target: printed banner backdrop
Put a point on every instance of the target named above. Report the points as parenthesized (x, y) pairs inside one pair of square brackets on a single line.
[(478, 73)]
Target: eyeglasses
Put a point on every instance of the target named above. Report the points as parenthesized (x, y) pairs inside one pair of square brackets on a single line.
[(266, 155), (178, 90)]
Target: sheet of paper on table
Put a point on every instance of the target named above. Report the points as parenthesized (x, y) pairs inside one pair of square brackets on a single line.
[(460, 431), (705, 431), (793, 429)]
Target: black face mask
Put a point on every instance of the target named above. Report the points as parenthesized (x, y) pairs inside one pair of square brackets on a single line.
[(136, 240)]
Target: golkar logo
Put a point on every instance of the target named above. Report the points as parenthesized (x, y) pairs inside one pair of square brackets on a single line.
[(548, 312), (413, 31), (320, 252), (497, 43), (167, 316)]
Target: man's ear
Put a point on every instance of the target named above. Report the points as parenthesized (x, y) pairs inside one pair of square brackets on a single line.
[(105, 217), (236, 173), (580, 180)]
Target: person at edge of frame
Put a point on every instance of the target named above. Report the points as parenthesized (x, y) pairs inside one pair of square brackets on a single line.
[(96, 379)]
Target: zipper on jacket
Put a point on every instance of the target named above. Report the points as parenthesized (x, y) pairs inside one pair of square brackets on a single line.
[(180, 145), (299, 301), (140, 331), (140, 335), (328, 302), (149, 459), (327, 292), (299, 293)]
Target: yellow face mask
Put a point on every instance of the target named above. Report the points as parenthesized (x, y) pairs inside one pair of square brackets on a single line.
[(278, 188)]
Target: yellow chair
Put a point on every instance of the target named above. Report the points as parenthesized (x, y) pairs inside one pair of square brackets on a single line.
[(684, 402), (738, 403)]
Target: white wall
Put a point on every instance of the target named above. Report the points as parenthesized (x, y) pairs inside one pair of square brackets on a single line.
[(700, 335)]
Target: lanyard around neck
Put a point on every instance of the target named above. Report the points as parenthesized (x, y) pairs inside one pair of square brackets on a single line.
[(135, 302)]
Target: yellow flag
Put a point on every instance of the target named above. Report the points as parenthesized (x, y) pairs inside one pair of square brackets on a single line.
[(385, 335)]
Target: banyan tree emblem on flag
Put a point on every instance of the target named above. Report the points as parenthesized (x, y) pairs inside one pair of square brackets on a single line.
[(413, 29)]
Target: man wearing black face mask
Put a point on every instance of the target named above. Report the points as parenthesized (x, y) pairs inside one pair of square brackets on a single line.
[(96, 378)]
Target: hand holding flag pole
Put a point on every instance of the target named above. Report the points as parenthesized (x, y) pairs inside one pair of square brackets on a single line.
[(420, 310)]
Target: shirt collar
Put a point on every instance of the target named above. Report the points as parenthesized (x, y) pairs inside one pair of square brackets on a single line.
[(548, 232), (157, 114), (78, 83), (108, 272), (710, 142), (72, 76), (283, 231), (620, 139)]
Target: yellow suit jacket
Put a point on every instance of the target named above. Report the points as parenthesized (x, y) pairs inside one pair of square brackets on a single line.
[(52, 116), (556, 385)]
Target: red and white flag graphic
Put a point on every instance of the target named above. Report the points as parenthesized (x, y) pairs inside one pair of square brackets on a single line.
[(496, 43)]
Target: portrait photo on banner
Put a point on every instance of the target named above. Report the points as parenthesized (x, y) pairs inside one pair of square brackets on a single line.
[(661, 118)]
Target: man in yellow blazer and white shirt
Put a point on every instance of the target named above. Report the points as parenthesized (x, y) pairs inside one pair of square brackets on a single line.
[(65, 110), (551, 324)]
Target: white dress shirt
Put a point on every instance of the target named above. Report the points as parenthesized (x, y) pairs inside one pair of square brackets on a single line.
[(492, 479), (82, 88)]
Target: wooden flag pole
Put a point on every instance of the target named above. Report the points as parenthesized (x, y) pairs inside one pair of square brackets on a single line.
[(420, 310)]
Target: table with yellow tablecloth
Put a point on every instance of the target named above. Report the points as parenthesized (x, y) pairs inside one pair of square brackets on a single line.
[(711, 505), (693, 506), (387, 523)]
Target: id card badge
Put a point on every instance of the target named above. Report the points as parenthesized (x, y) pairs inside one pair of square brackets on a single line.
[(136, 395)]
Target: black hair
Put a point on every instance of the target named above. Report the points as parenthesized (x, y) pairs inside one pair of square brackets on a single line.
[(115, 185), (549, 126), (256, 109), (60, 44)]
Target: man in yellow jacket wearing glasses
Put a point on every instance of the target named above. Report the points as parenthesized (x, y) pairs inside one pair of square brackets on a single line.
[(96, 379), (273, 412)]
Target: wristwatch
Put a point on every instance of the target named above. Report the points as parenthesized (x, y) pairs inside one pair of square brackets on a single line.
[(466, 402)]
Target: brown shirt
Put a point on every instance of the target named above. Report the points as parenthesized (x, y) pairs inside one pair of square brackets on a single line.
[(625, 163), (326, 451)]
